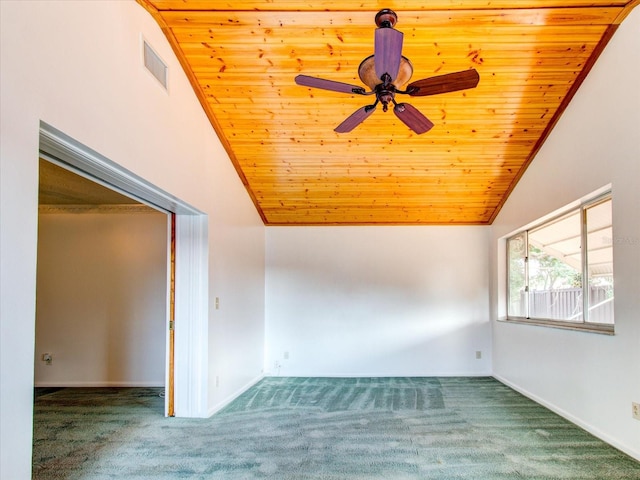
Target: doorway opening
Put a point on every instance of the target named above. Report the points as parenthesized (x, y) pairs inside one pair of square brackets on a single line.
[(102, 281), (186, 268)]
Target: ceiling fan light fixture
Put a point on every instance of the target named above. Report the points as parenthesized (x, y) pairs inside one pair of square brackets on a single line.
[(367, 73)]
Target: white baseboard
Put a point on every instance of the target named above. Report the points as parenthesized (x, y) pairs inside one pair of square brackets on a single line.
[(219, 406), (97, 384), (573, 419), (379, 375)]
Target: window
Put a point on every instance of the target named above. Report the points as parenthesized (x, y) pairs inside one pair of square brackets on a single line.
[(560, 273)]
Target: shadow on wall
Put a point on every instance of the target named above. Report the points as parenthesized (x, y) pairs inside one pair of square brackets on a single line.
[(378, 301)]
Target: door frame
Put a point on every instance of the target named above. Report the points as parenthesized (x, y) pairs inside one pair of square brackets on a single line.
[(187, 299)]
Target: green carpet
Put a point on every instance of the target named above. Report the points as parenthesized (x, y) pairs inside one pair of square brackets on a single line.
[(321, 429)]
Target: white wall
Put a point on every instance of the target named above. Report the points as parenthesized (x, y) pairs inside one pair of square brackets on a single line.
[(101, 303), (77, 66), (377, 301), (590, 378)]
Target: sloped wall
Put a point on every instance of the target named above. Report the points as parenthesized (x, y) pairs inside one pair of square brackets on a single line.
[(590, 378), (78, 67)]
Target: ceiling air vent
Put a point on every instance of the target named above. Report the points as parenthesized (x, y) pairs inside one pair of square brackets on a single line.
[(155, 64)]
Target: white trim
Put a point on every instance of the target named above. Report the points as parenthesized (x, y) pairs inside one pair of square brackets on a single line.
[(572, 418), (191, 304), (191, 316), (66, 152), (386, 375), (216, 408)]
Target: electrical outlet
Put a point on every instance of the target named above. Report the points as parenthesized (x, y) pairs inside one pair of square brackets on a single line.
[(635, 409), (286, 355), (478, 355), (217, 303)]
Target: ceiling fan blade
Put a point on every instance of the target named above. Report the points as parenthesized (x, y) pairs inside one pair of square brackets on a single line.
[(387, 51), (314, 82), (355, 119), (450, 82), (412, 118)]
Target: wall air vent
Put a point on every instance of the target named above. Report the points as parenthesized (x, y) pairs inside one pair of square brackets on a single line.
[(155, 64)]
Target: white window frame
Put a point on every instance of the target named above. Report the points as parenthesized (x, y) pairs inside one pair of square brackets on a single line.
[(585, 324)]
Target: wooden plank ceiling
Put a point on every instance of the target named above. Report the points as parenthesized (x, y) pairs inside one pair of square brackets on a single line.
[(242, 58)]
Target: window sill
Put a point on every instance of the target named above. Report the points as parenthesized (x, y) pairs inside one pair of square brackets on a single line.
[(580, 327)]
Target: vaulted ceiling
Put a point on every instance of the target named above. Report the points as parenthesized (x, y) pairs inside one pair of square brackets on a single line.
[(242, 57)]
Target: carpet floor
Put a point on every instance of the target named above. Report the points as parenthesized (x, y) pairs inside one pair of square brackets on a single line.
[(320, 429)]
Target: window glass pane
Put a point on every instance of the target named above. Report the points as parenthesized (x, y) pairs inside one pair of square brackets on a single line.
[(600, 262), (517, 252), (555, 270)]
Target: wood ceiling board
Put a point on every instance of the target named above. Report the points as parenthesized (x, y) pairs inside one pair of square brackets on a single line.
[(327, 22), (242, 61), (356, 5)]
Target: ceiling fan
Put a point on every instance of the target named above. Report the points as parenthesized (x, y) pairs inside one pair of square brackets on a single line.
[(386, 70)]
